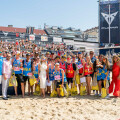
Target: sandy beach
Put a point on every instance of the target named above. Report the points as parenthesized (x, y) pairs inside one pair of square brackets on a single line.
[(72, 108)]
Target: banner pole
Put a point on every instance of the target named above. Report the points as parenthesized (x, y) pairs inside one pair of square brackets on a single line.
[(99, 21), (109, 24)]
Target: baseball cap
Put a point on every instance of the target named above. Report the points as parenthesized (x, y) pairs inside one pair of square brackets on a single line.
[(63, 57), (28, 54), (47, 53), (79, 52)]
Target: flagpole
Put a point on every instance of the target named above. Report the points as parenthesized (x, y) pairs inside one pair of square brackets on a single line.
[(99, 19), (109, 24)]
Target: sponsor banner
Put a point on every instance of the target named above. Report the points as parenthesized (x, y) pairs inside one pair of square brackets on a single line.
[(17, 34), (44, 38), (22, 35), (56, 39), (109, 19), (5, 34), (31, 37)]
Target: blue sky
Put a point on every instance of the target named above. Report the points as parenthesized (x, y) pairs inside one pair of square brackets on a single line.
[(81, 14)]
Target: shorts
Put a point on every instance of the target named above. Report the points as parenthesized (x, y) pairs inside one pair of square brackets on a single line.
[(49, 83), (80, 73), (103, 83), (19, 78), (88, 75), (38, 81), (57, 84), (108, 82), (65, 84), (92, 75), (0, 79), (70, 80), (26, 78)]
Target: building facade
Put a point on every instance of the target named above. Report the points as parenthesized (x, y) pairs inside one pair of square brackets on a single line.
[(73, 38)]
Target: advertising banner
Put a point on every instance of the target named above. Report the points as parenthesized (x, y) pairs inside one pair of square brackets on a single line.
[(17, 34), (69, 42), (109, 22), (31, 37), (22, 35), (56, 39), (44, 38)]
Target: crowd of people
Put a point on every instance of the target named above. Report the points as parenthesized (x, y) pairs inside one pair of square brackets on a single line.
[(54, 71)]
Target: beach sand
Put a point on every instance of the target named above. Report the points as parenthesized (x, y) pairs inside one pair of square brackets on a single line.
[(72, 108)]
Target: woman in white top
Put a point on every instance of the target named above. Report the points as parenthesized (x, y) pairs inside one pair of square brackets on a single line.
[(43, 69), (7, 69)]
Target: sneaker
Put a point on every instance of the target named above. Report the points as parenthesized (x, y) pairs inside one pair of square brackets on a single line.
[(99, 95), (58, 96), (107, 97), (4, 98)]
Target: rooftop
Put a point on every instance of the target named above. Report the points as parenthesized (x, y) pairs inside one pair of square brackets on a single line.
[(21, 30)]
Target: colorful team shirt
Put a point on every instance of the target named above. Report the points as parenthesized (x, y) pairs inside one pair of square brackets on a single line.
[(51, 73), (93, 59), (70, 71), (36, 71), (1, 64), (63, 66), (58, 75), (16, 65), (79, 67), (27, 68), (99, 77), (104, 72)]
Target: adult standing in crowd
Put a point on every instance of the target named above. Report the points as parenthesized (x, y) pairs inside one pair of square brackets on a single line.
[(115, 77), (70, 71), (27, 70), (106, 75), (17, 67), (59, 77), (88, 70), (7, 68), (36, 69), (51, 70), (1, 65), (80, 66), (92, 57), (43, 69)]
